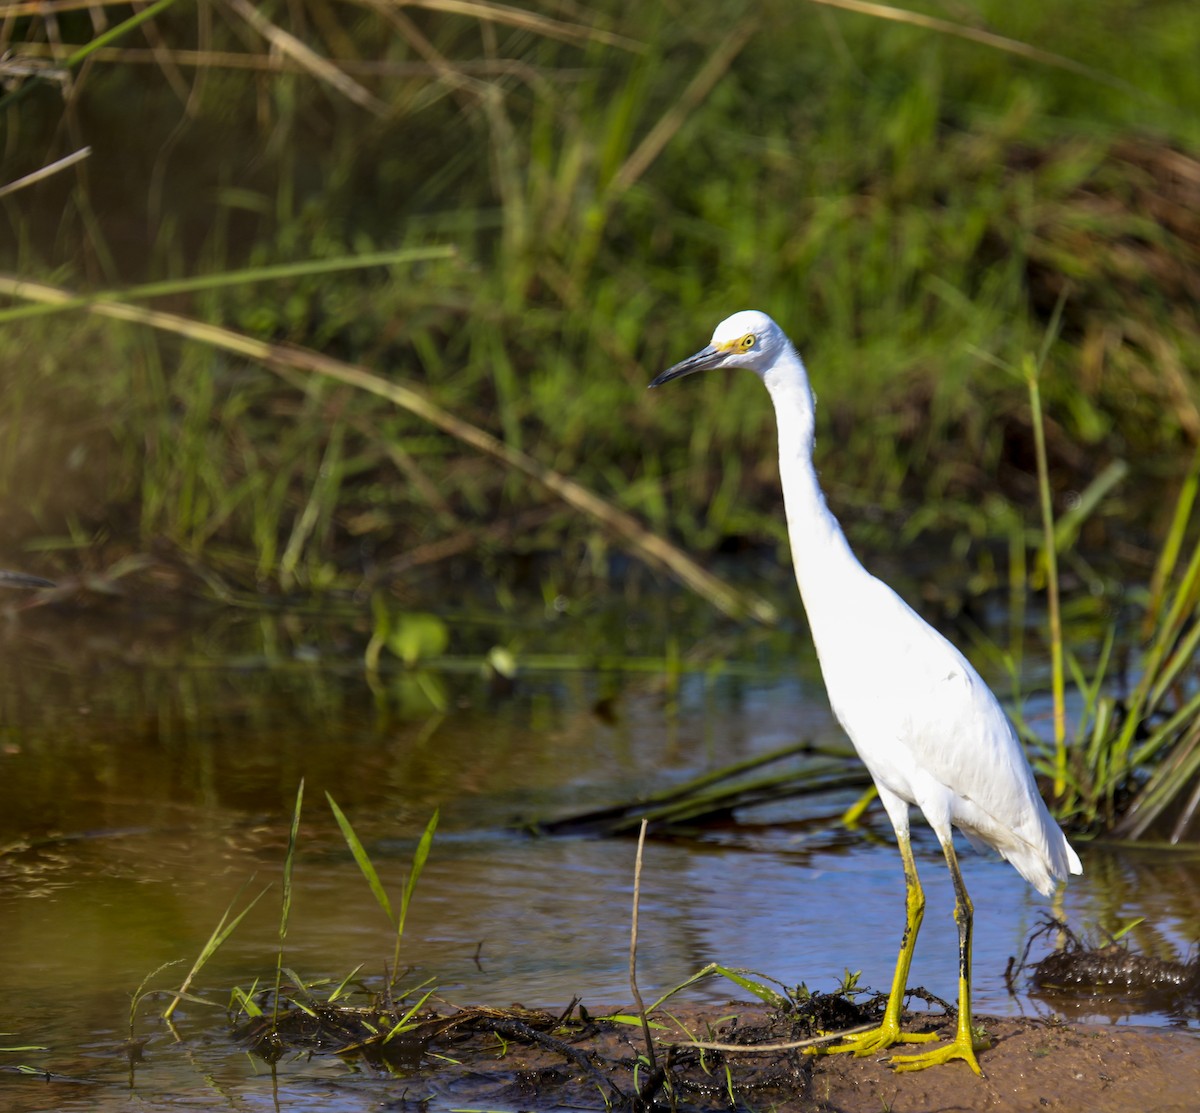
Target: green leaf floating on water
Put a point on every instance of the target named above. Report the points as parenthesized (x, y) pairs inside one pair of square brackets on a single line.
[(416, 637)]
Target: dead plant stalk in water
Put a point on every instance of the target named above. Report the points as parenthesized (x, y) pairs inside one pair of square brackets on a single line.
[(633, 934)]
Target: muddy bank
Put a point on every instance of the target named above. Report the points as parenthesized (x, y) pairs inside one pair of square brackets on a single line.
[(1032, 1065)]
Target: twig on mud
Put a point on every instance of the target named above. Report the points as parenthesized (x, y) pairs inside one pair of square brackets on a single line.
[(769, 1048)]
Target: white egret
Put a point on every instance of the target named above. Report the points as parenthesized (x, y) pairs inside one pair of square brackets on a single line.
[(926, 726)]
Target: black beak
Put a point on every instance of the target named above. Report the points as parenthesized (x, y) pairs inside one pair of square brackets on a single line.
[(703, 360)]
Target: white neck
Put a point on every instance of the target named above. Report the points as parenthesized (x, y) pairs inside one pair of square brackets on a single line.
[(820, 552)]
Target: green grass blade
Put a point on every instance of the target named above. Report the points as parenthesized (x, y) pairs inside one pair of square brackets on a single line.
[(297, 981), (420, 855), (1181, 656), (365, 865), (1068, 526), (245, 1005), (1167, 733), (633, 1021), (114, 33), (405, 1022), (341, 987), (1169, 556), (1168, 780), (418, 864), (242, 1001), (698, 976), (763, 992), (220, 933)]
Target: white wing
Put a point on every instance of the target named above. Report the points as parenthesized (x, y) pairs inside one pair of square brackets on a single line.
[(931, 731)]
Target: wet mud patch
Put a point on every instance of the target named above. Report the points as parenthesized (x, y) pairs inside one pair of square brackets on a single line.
[(527, 1059)]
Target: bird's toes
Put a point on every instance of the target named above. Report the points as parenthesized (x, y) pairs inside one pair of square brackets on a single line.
[(957, 1049), (875, 1041)]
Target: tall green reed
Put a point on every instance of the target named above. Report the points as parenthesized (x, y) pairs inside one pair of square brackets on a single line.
[(1032, 369), (1135, 756)]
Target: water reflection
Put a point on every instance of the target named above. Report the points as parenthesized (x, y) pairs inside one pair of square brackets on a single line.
[(146, 777)]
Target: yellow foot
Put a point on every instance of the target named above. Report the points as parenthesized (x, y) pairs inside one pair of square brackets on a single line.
[(962, 1047), (875, 1040)]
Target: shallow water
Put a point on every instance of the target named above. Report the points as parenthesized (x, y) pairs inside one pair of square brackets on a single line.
[(148, 768)]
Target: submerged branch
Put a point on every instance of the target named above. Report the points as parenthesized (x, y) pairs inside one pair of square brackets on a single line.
[(717, 793)]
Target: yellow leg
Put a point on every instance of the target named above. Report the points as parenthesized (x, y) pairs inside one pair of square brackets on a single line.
[(963, 1046), (888, 1032)]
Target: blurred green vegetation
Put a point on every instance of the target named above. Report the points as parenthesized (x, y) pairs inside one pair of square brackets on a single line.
[(909, 204)]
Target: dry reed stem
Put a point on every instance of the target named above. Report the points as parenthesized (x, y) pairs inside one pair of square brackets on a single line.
[(46, 171), (633, 935), (320, 68), (487, 12), (480, 68), (978, 35), (54, 7), (675, 117)]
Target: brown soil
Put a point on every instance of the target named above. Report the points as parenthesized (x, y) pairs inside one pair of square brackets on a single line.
[(1032, 1065)]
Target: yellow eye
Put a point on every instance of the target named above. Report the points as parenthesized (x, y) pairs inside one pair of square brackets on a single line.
[(747, 342)]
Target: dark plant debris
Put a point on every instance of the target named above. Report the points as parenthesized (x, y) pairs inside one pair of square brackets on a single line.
[(1110, 972), (514, 1054)]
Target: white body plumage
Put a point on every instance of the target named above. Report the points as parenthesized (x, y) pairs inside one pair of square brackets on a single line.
[(926, 726)]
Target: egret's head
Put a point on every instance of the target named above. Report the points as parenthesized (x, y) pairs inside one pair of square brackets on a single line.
[(747, 339)]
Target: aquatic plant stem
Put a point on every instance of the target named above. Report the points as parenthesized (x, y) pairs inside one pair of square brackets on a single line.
[(286, 904)]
